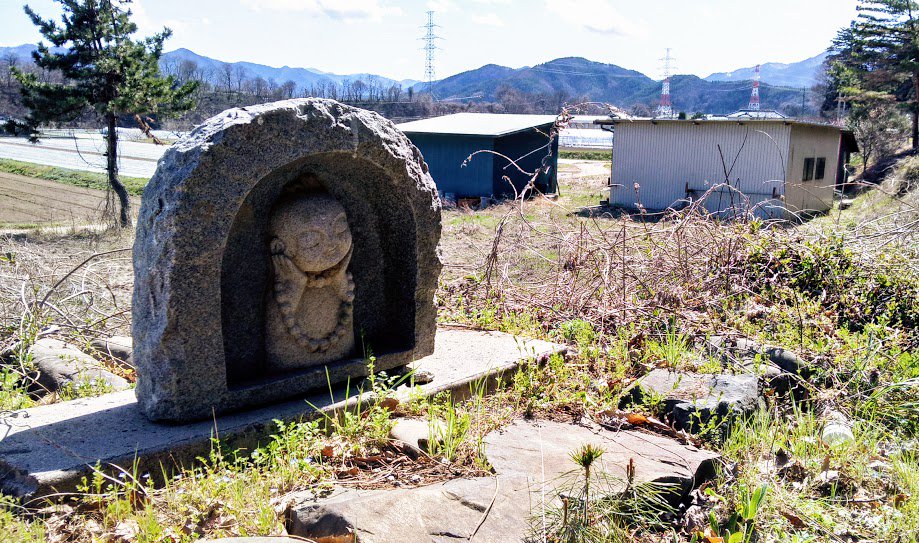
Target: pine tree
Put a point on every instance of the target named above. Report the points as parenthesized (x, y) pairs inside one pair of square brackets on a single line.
[(106, 71), (878, 55)]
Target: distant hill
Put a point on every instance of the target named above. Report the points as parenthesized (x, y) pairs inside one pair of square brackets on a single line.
[(544, 87), (579, 78), (796, 74), (303, 77)]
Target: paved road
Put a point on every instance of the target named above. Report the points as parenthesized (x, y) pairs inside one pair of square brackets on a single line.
[(86, 152)]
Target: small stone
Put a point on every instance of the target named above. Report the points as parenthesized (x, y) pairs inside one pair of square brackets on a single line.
[(827, 478), (119, 348), (60, 364), (413, 433), (879, 466), (421, 377), (837, 434), (785, 359), (692, 400)]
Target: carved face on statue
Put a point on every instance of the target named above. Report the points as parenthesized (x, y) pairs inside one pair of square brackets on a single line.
[(309, 312), (312, 231)]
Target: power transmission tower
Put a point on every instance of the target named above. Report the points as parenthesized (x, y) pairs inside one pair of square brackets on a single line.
[(430, 46), (665, 109), (754, 104)]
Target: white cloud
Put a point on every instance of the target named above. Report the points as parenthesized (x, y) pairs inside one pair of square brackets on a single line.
[(494, 2), (342, 10), (488, 19), (147, 26), (597, 16), (442, 6)]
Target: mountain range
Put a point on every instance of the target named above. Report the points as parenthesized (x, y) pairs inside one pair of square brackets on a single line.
[(797, 74), (579, 78), (565, 77)]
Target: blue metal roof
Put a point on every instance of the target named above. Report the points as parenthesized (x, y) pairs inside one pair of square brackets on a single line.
[(477, 124)]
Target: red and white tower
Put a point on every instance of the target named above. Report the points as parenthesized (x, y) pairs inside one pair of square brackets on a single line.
[(665, 109), (754, 96)]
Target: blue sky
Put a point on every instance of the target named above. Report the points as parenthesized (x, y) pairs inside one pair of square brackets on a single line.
[(382, 36)]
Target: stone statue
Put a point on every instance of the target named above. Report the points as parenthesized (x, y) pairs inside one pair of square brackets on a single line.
[(242, 291), (310, 308)]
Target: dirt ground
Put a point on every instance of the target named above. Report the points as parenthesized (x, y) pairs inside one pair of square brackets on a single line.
[(26, 200)]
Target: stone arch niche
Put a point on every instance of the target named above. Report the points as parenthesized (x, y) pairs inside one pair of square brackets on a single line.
[(204, 256)]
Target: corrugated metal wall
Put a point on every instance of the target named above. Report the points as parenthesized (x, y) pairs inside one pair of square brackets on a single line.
[(666, 157), (812, 142), (445, 154), (527, 149)]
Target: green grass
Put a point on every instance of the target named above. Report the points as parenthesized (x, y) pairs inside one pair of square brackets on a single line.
[(89, 180), (585, 155)]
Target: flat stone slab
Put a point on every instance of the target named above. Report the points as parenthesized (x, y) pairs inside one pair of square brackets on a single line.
[(691, 399), (60, 364), (533, 464), (495, 509), (542, 452), (47, 449)]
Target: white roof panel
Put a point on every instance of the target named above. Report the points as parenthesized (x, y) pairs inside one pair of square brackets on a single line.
[(476, 124)]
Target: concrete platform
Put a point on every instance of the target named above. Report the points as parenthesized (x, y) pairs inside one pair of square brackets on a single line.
[(48, 449)]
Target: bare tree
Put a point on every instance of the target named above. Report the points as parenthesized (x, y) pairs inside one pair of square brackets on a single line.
[(10, 61), (287, 89), (226, 77)]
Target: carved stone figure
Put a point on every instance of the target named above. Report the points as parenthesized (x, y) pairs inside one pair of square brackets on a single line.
[(247, 238), (310, 306)]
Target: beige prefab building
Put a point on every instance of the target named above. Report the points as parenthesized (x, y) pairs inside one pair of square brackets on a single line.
[(776, 168)]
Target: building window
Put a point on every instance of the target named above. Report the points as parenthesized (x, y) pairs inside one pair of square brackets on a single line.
[(821, 168), (809, 169)]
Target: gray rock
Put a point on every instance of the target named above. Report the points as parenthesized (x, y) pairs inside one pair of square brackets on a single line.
[(439, 513), (732, 348), (542, 451), (532, 461), (202, 254), (788, 361), (741, 351), (691, 400), (412, 433), (120, 348), (59, 364)]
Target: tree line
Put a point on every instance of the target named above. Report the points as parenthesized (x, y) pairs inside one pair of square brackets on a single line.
[(873, 77)]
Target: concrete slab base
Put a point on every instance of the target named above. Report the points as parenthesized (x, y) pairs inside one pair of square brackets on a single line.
[(48, 449)]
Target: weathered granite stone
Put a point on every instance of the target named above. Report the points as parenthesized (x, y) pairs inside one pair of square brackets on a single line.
[(691, 399), (203, 253), (59, 364), (120, 348)]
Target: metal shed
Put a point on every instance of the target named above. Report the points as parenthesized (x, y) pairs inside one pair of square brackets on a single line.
[(446, 142), (783, 168)]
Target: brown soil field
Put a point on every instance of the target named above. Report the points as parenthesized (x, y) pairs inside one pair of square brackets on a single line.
[(26, 200)]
